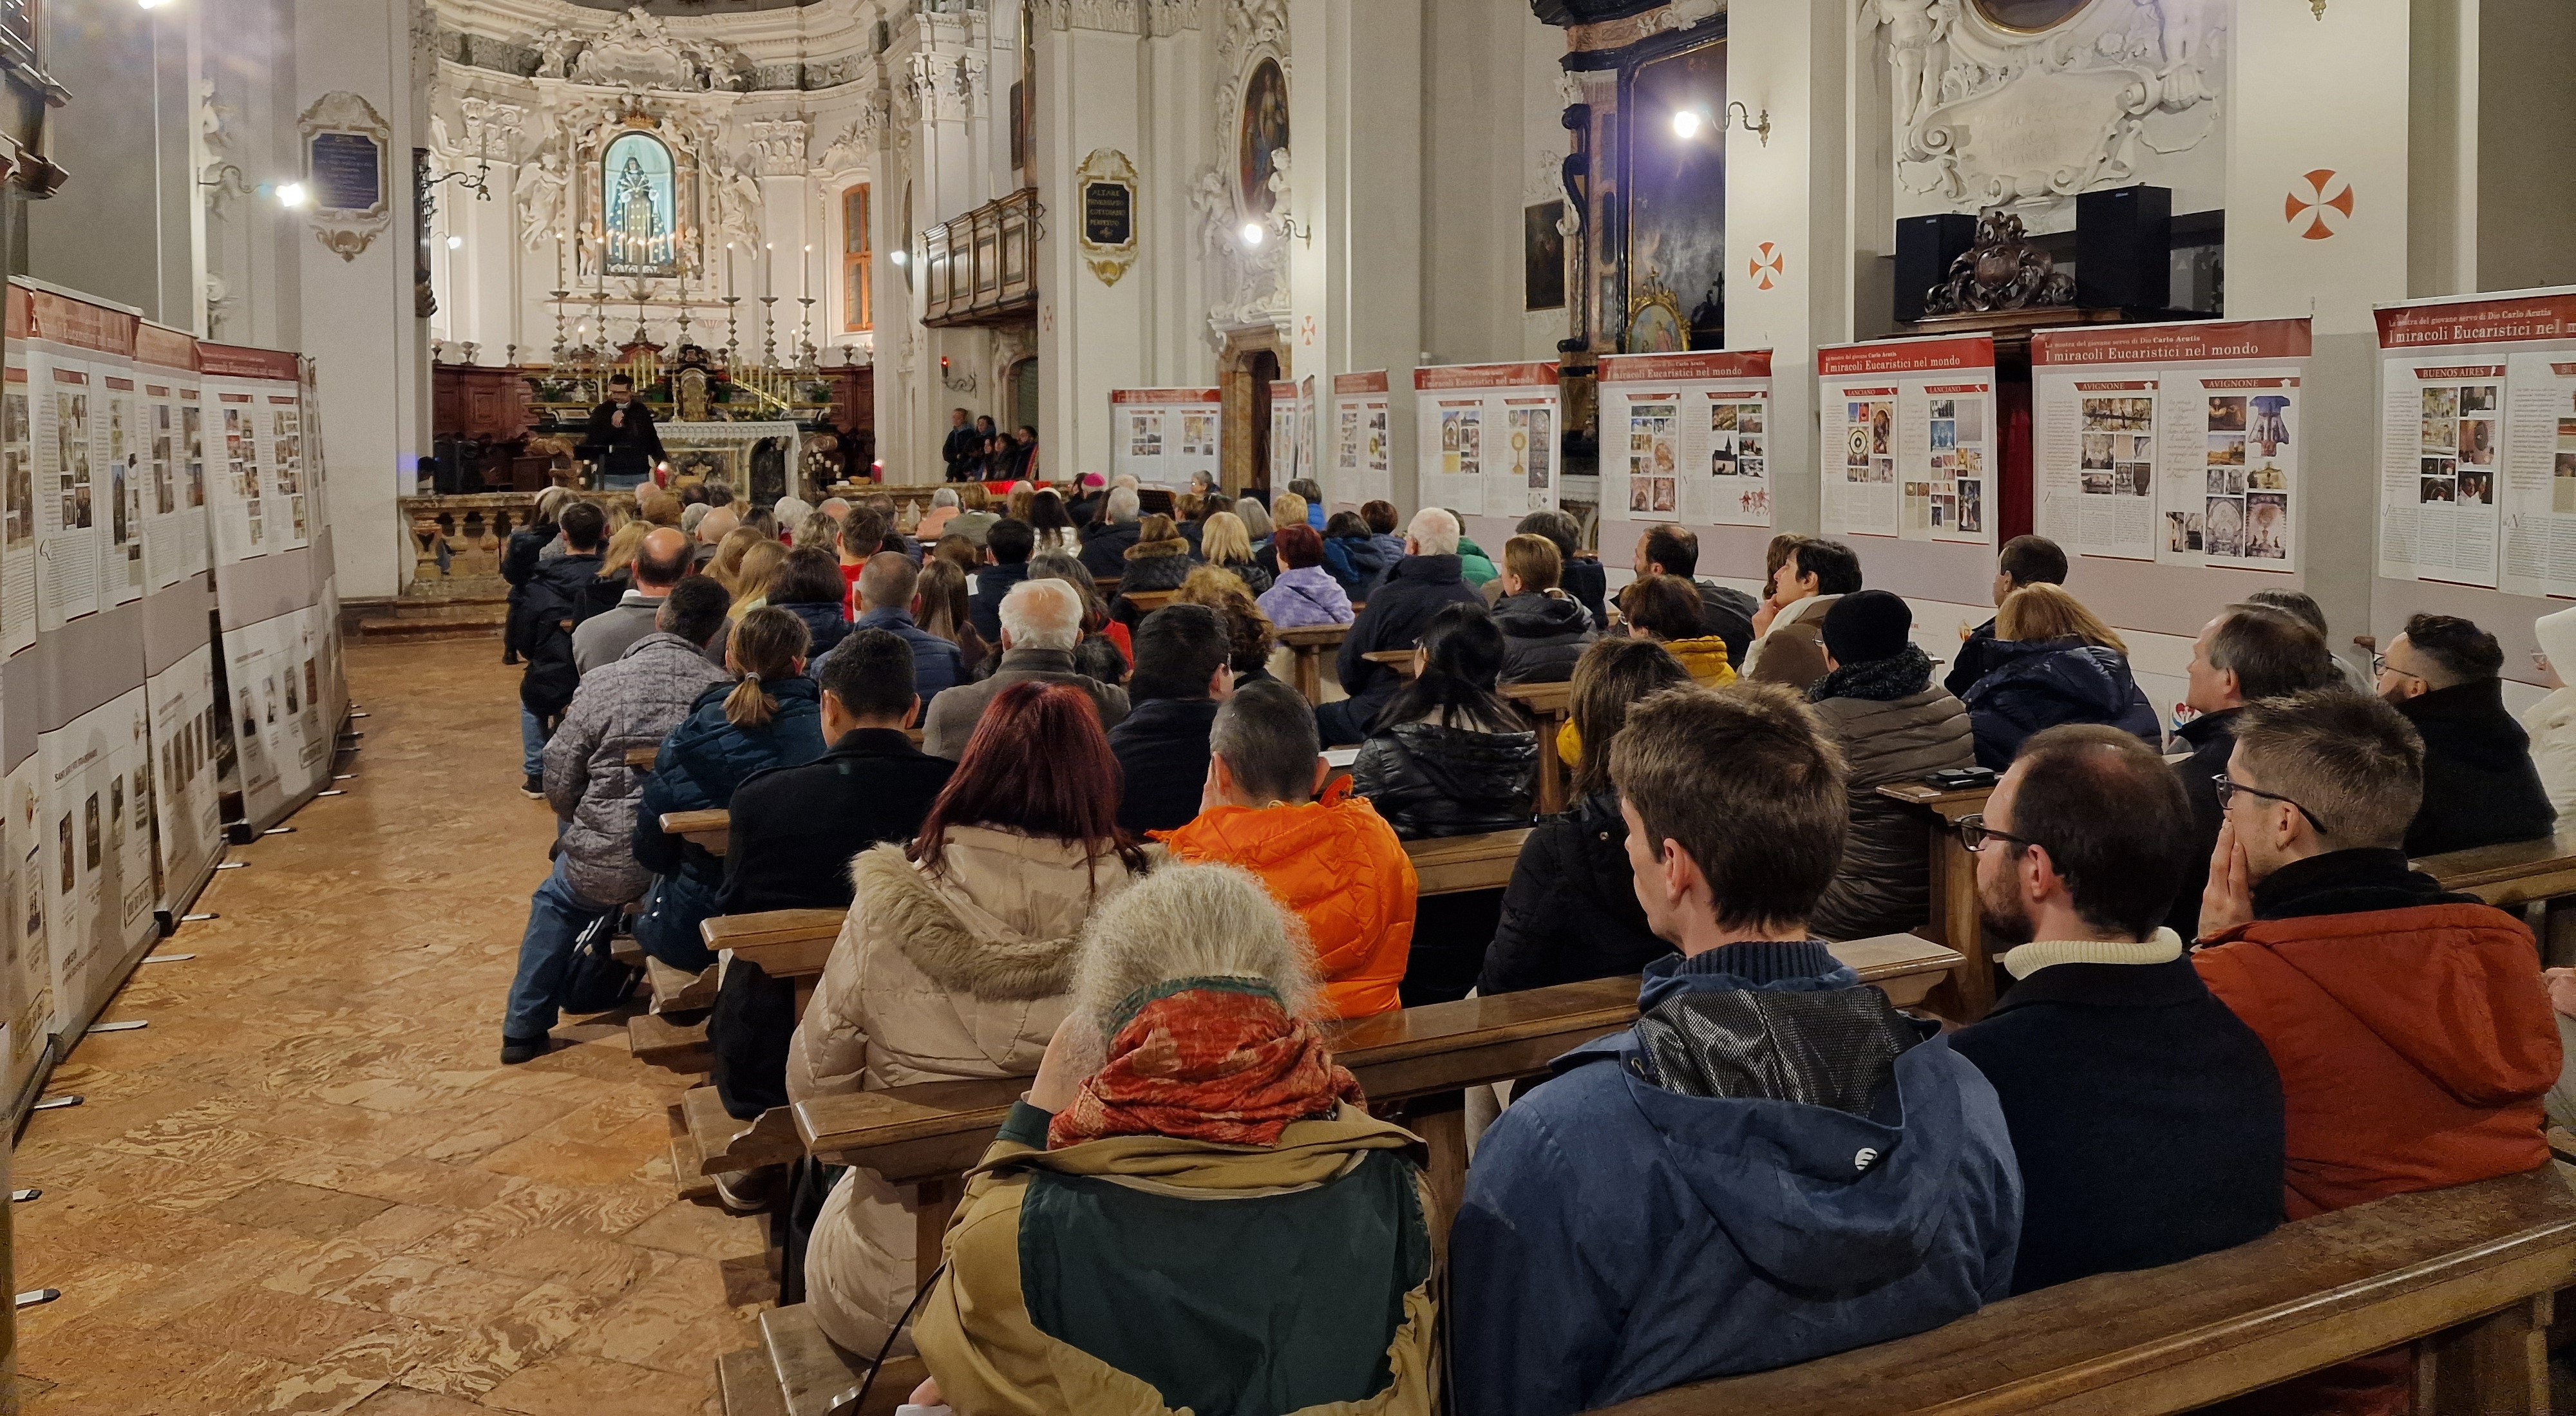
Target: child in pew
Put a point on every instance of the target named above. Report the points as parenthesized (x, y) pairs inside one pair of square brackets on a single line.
[(956, 961), (2146, 1117), (1210, 1219), (2358, 972), (1772, 1164), (1571, 911), (769, 718), (1331, 861)]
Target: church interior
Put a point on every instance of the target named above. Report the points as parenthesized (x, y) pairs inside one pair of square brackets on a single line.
[(780, 707)]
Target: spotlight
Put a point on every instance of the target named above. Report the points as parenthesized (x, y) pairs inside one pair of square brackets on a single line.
[(290, 194), (1252, 233), (902, 256), (1685, 124), (455, 243)]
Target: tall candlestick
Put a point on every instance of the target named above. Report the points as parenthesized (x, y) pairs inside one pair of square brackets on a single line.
[(728, 270), (768, 268)]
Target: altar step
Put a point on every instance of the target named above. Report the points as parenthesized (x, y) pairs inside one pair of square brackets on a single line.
[(405, 620)]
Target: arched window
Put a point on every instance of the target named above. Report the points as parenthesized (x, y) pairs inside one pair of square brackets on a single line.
[(858, 261), (637, 195)]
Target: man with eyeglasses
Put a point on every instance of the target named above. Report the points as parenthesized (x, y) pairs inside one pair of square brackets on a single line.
[(2410, 1027), (2480, 785), (2146, 1117)]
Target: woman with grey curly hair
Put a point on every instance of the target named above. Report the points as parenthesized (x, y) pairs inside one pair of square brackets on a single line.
[(1188, 1071)]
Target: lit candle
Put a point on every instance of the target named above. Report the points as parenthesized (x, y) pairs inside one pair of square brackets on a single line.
[(804, 270), (728, 270), (768, 265)]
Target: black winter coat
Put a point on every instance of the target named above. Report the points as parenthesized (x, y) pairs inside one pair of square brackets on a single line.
[(1976, 658), (561, 593), (984, 607), (795, 831), (2146, 1118), (2041, 683), (2212, 738), (518, 563), (1589, 584), (2480, 786), (1728, 614), (1162, 751), (1397, 611), (1571, 911), (1883, 885), (1104, 548), (1542, 636), (1428, 780)]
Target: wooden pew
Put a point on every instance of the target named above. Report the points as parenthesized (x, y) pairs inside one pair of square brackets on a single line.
[(1548, 705), (1457, 865), (1310, 644), (1958, 921), (2465, 1274), (2515, 873), (1145, 602), (706, 830), (640, 759)]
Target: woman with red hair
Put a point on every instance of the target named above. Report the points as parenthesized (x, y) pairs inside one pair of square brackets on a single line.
[(955, 961)]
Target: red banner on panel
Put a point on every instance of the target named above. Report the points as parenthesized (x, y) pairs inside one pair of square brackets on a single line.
[(2173, 343), (1373, 381), (2492, 321), (1907, 356), (236, 361), (1163, 395), (79, 323), (1541, 374), (168, 348), (1696, 367)]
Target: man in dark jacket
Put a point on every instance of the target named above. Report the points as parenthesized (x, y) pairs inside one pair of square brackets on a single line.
[(1006, 564), (660, 563), (1420, 586), (795, 830), (1041, 627), (2146, 1117), (1105, 542), (961, 447), (885, 593), (1895, 725), (559, 598), (1682, 1202), (2025, 560), (1162, 746), (622, 437), (1665, 549), (2480, 786), (2247, 652)]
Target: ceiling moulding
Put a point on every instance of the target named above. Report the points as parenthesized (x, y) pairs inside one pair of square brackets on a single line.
[(821, 32)]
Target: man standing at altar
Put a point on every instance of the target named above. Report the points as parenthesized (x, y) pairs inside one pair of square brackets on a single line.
[(621, 436)]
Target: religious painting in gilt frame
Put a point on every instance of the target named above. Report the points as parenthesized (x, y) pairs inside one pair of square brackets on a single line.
[(1543, 256), (1264, 134)]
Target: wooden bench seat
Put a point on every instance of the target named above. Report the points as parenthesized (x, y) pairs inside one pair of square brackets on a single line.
[(1309, 644), (687, 1174), (641, 758), (706, 830), (725, 1145), (1145, 602), (678, 990), (2467, 1273), (659, 1042), (809, 1371), (2515, 873)]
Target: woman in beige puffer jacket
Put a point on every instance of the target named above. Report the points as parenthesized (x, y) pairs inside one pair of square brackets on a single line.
[(954, 962)]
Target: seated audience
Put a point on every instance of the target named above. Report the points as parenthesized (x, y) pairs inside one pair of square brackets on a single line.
[(959, 552), (2303, 607), (554, 600), (1894, 724), (1041, 623), (1381, 519), (1256, 521), (1449, 758), (859, 537), (2480, 786), (1726, 614), (1668, 610), (1007, 547), (1265, 1199), (1305, 593), (1107, 648), (1356, 557), (1580, 574), (1160, 560), (634, 702), (889, 590), (978, 517), (772, 717), (1162, 744), (810, 587), (1544, 629), (1090, 490), (661, 561), (1224, 542), (956, 961), (795, 828), (1571, 911), (1051, 524), (1105, 542), (1287, 509), (1332, 861), (726, 565), (714, 529), (2247, 652), (2551, 722), (1473, 564), (1700, 1195), (2054, 663), (2361, 976), (943, 509), (944, 608), (1790, 649), (1417, 587), (2024, 560), (2146, 1116), (1248, 634)]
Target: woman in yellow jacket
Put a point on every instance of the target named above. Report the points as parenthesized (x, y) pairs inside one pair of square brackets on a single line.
[(1665, 609)]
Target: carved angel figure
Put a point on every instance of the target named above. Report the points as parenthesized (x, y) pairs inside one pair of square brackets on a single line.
[(554, 52), (1914, 36), (542, 187), (739, 204)]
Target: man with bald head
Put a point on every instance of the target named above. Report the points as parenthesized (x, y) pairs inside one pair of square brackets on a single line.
[(885, 587), (1419, 586), (660, 563), (712, 529)]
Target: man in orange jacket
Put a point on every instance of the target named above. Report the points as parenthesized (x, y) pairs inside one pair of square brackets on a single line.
[(2411, 1027), (1332, 862)]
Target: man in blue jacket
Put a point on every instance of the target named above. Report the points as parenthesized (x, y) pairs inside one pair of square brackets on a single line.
[(1773, 1164), (886, 588)]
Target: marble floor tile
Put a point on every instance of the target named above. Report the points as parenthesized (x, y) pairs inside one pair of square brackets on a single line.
[(308, 1188)]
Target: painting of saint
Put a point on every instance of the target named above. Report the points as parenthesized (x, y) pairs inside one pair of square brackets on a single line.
[(1265, 132), (637, 195)]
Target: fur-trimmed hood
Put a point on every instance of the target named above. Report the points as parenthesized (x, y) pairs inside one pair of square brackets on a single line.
[(961, 947), (1147, 550)]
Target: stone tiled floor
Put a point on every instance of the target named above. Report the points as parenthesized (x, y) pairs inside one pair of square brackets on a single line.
[(309, 1186)]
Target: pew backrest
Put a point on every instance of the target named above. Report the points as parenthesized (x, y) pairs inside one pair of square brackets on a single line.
[(2510, 874)]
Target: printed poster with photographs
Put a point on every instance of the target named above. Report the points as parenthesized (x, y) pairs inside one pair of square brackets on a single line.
[(2478, 442), (2171, 443), (237, 498), (67, 549), (288, 512), (1909, 439), (119, 458), (1287, 436), (1162, 435), (1697, 430), (1363, 462), (1488, 437), (18, 510)]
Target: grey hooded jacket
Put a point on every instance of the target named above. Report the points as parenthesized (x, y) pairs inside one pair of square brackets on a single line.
[(634, 702)]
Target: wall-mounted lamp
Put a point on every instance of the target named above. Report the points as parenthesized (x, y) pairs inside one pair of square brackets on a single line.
[(455, 243), (292, 194), (1254, 233), (1742, 117), (901, 256), (1686, 123), (151, 4)]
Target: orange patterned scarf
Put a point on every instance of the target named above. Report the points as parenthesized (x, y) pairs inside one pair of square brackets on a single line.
[(1207, 1059)]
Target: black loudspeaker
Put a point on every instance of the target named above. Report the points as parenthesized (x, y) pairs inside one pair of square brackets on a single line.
[(2124, 249), (1925, 246)]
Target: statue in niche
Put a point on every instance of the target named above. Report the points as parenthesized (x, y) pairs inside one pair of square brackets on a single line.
[(639, 207), (1914, 33), (541, 201)]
